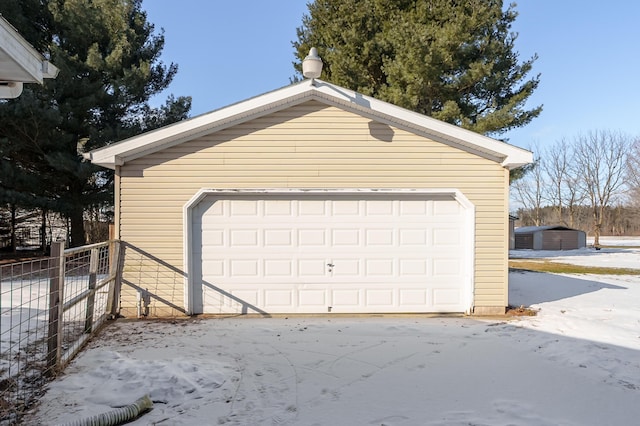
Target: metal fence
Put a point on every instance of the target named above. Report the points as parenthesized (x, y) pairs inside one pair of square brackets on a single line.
[(48, 309)]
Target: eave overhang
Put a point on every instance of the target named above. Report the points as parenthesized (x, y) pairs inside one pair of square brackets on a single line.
[(118, 154)]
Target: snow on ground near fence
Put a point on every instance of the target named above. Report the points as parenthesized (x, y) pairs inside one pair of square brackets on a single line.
[(24, 304), (24, 318), (576, 363)]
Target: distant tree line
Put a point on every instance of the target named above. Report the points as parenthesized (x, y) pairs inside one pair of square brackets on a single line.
[(590, 182), (618, 220)]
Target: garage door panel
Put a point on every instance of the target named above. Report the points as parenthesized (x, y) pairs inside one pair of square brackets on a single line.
[(444, 237), (379, 267), (312, 208), (415, 298), (208, 209), (346, 237), (278, 268), (447, 267), (346, 267), (243, 208), (244, 267), (278, 208), (312, 267), (278, 298), (242, 238), (345, 208), (241, 301), (214, 238), (413, 237), (278, 238), (446, 296), (215, 268), (379, 207), (446, 208), (345, 298), (312, 237), (414, 267), (379, 298), (414, 208), (315, 300), (379, 237), (314, 255)]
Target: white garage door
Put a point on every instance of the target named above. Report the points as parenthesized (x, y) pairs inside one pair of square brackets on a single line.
[(330, 253)]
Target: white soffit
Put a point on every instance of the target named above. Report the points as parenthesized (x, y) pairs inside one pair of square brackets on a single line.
[(19, 61), (118, 154)]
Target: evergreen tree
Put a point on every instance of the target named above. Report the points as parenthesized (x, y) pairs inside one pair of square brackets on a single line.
[(453, 60), (108, 56)]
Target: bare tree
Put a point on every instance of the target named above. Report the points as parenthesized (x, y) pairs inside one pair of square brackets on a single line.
[(556, 165), (601, 158), (529, 191), (569, 193), (633, 173), (575, 194)]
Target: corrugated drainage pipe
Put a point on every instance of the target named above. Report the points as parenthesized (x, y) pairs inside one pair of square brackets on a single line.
[(116, 417)]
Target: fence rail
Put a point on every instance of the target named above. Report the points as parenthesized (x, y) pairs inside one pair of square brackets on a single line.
[(49, 308)]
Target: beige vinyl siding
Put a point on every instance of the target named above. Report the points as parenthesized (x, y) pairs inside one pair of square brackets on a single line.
[(307, 146)]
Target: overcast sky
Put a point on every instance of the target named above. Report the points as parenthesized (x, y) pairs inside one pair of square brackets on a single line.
[(228, 51)]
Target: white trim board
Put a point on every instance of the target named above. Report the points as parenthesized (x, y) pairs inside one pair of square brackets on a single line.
[(507, 155)]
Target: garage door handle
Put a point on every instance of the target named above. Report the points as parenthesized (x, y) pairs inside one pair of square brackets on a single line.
[(330, 265)]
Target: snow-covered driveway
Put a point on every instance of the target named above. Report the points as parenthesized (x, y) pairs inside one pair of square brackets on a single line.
[(576, 363), (345, 371)]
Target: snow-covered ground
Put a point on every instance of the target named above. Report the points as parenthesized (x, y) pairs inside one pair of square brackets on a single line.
[(576, 363), (616, 241), (589, 256)]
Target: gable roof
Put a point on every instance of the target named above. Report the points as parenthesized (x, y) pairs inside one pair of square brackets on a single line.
[(120, 153), (19, 61), (532, 229)]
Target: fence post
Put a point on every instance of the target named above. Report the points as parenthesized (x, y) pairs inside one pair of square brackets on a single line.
[(54, 336), (115, 272), (91, 298)]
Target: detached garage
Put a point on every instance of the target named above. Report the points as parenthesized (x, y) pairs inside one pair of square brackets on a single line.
[(313, 199), (549, 238)]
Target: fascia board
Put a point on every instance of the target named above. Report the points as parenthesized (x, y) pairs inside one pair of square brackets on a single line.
[(118, 154), (182, 131), (508, 155), (34, 68)]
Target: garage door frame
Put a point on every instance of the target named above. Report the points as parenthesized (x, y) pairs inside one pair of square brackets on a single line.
[(468, 233)]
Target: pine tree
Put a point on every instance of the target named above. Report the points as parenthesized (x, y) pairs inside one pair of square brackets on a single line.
[(108, 56), (453, 60)]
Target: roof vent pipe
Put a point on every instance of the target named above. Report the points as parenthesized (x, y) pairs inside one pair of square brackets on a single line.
[(312, 64)]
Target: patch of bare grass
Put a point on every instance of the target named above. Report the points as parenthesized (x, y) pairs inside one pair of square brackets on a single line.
[(543, 265), (520, 311)]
